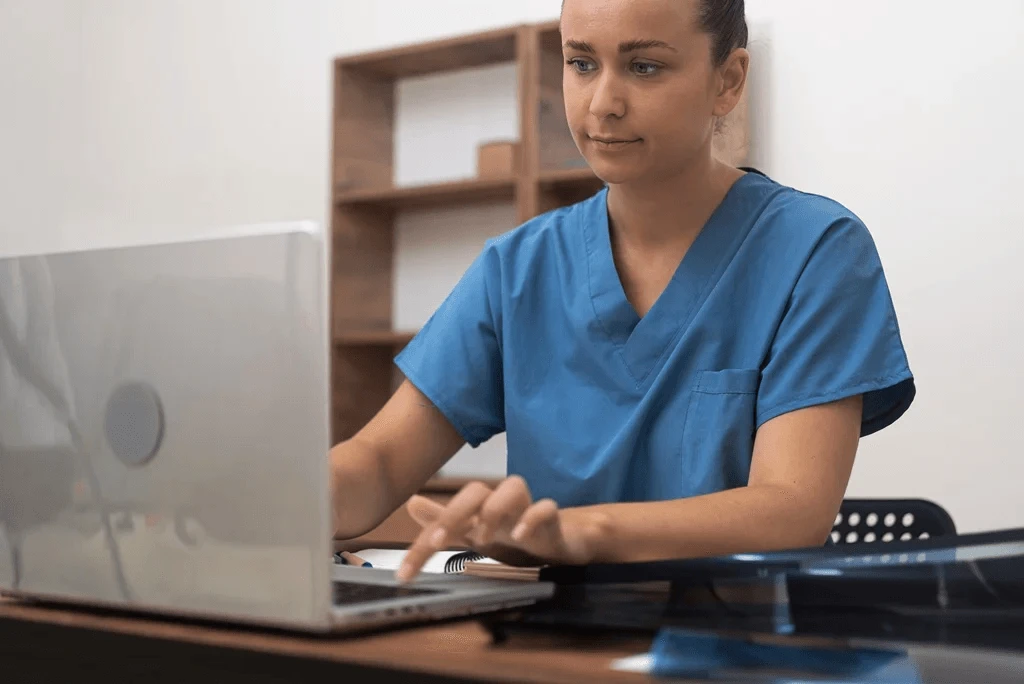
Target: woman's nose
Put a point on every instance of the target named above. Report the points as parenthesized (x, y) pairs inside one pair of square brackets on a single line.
[(607, 99)]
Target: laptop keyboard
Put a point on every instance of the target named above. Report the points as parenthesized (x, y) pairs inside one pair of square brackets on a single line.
[(346, 593)]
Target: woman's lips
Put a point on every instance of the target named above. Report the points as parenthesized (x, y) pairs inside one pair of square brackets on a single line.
[(612, 142)]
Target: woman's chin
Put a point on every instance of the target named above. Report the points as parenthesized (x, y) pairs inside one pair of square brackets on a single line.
[(614, 173)]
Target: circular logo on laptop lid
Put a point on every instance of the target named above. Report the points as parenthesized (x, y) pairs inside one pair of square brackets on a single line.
[(134, 423)]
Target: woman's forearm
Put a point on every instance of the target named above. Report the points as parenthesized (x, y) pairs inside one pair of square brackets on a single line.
[(361, 492), (746, 519)]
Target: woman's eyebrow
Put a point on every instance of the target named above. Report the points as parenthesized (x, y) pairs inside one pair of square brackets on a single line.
[(627, 46), (579, 45), (634, 45)]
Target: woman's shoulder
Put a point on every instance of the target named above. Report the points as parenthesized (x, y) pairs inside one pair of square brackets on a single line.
[(803, 217), (552, 231)]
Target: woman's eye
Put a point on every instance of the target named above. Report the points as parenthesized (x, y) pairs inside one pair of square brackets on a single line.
[(579, 64), (645, 69)]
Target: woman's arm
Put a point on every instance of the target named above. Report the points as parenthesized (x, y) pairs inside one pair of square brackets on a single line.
[(389, 460), (800, 469)]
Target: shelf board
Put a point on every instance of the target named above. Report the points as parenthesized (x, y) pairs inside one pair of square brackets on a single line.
[(568, 186), (373, 338), (433, 195), (463, 52), (568, 177)]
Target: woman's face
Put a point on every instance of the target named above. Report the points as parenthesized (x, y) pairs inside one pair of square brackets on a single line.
[(641, 94)]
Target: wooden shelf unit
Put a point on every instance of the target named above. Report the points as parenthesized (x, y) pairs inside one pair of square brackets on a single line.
[(550, 173)]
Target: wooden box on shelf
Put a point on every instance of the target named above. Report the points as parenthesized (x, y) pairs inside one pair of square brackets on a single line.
[(498, 159)]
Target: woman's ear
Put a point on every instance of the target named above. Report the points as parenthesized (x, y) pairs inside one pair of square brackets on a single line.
[(731, 82)]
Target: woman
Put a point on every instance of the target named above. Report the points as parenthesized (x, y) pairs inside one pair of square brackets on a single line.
[(683, 363)]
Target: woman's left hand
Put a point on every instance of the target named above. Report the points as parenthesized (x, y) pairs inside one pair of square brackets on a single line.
[(504, 524)]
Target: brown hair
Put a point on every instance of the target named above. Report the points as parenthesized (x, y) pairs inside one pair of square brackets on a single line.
[(726, 22)]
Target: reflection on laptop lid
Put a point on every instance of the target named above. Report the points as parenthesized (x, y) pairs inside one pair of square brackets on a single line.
[(172, 425), (164, 435)]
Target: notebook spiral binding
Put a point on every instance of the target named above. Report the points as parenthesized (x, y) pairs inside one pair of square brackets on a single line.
[(457, 563)]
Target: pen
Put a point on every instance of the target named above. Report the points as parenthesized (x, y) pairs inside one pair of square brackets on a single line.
[(353, 559)]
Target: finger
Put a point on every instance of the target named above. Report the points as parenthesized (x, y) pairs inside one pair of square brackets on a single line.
[(460, 513), (432, 538), (538, 527), (424, 511), (502, 509)]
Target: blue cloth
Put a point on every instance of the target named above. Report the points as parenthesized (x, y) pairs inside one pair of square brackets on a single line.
[(780, 303), (680, 653)]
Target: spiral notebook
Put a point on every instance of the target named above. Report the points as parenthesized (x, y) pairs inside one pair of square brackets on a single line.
[(452, 562)]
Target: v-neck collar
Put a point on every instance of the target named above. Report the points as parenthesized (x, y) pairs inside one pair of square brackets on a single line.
[(642, 341)]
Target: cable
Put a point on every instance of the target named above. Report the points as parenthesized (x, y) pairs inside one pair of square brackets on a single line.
[(13, 543), (16, 562), (108, 531)]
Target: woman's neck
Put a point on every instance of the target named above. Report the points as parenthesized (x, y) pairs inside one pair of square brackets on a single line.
[(668, 213)]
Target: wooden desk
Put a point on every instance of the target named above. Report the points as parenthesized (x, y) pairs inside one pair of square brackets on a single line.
[(40, 643), (55, 644)]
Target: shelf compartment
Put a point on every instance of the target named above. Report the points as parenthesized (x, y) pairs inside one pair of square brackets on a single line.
[(464, 52)]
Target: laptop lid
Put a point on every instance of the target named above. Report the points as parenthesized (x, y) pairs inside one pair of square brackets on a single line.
[(164, 426)]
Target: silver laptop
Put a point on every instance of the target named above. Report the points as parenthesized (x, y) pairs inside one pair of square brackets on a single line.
[(164, 432)]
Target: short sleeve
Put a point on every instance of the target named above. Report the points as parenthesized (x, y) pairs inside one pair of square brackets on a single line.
[(455, 359), (839, 336)]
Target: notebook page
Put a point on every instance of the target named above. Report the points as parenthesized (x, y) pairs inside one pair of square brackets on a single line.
[(390, 559)]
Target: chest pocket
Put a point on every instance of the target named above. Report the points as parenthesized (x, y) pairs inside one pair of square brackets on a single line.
[(718, 435)]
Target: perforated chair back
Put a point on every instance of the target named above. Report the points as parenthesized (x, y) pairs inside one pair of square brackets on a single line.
[(874, 521)]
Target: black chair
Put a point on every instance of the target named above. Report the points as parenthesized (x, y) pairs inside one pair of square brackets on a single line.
[(877, 521)]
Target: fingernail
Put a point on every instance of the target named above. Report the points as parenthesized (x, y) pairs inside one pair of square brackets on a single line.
[(402, 574), (519, 531), (437, 539)]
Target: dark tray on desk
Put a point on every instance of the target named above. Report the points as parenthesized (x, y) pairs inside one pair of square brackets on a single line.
[(618, 610), (967, 591)]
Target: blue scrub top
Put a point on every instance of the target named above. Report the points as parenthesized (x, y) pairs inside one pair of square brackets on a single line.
[(780, 303)]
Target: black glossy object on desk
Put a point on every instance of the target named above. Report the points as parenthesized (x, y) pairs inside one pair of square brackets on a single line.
[(964, 590)]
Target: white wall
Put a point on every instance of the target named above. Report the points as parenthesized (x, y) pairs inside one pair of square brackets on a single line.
[(122, 119), (909, 112)]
